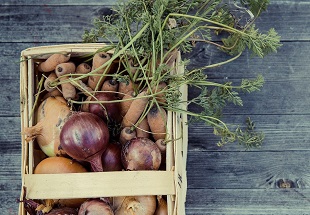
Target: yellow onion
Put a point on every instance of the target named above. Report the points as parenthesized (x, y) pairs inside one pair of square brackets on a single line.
[(51, 116), (138, 205), (59, 165)]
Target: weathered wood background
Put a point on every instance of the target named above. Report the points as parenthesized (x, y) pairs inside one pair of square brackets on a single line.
[(274, 179)]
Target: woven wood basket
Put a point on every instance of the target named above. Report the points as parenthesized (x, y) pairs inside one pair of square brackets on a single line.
[(172, 182)]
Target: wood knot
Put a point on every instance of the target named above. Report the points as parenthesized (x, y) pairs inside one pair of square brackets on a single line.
[(285, 184)]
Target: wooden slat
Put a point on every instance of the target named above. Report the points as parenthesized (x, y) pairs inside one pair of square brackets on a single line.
[(248, 202), (57, 2), (251, 169), (92, 185), (24, 23), (282, 132), (45, 24)]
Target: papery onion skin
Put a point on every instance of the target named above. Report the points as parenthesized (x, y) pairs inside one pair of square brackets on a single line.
[(59, 165), (85, 136), (137, 205), (162, 208), (141, 154), (95, 207), (50, 116), (111, 158)]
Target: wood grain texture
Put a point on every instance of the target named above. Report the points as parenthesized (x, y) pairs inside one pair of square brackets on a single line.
[(248, 202), (24, 23), (226, 181), (238, 170)]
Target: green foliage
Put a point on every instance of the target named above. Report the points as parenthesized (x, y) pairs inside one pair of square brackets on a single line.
[(148, 32)]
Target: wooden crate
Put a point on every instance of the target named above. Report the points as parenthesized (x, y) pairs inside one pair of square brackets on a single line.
[(171, 182)]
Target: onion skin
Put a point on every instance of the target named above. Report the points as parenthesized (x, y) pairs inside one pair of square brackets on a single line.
[(85, 137), (141, 154), (95, 207), (63, 211), (137, 205), (51, 116), (162, 208), (111, 158), (59, 165), (107, 111)]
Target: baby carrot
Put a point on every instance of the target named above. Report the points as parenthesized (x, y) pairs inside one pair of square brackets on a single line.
[(51, 62), (68, 90), (157, 119), (135, 110)]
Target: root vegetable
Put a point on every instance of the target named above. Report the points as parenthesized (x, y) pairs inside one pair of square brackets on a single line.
[(125, 88), (50, 115), (68, 90), (110, 85), (143, 129), (124, 105), (59, 165), (138, 205), (80, 85), (48, 81), (95, 207), (98, 60), (141, 154), (111, 158), (126, 135), (85, 136), (161, 207), (157, 119), (161, 96), (135, 110), (82, 69), (51, 62), (54, 93)]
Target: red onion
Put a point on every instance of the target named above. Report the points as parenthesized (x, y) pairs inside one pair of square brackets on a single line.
[(95, 207), (141, 154), (85, 137), (111, 158), (107, 111)]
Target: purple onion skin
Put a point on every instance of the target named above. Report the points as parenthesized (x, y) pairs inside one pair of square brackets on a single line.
[(95, 207), (111, 111), (141, 154), (85, 136), (111, 158)]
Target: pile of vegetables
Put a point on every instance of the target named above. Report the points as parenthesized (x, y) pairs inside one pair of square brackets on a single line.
[(107, 111)]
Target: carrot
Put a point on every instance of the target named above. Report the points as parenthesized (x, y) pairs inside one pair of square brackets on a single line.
[(124, 105), (135, 110), (126, 135), (85, 106), (68, 90), (98, 60), (143, 128), (80, 85), (82, 69), (157, 119), (132, 67), (48, 81), (51, 62), (110, 85), (125, 87), (161, 96)]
